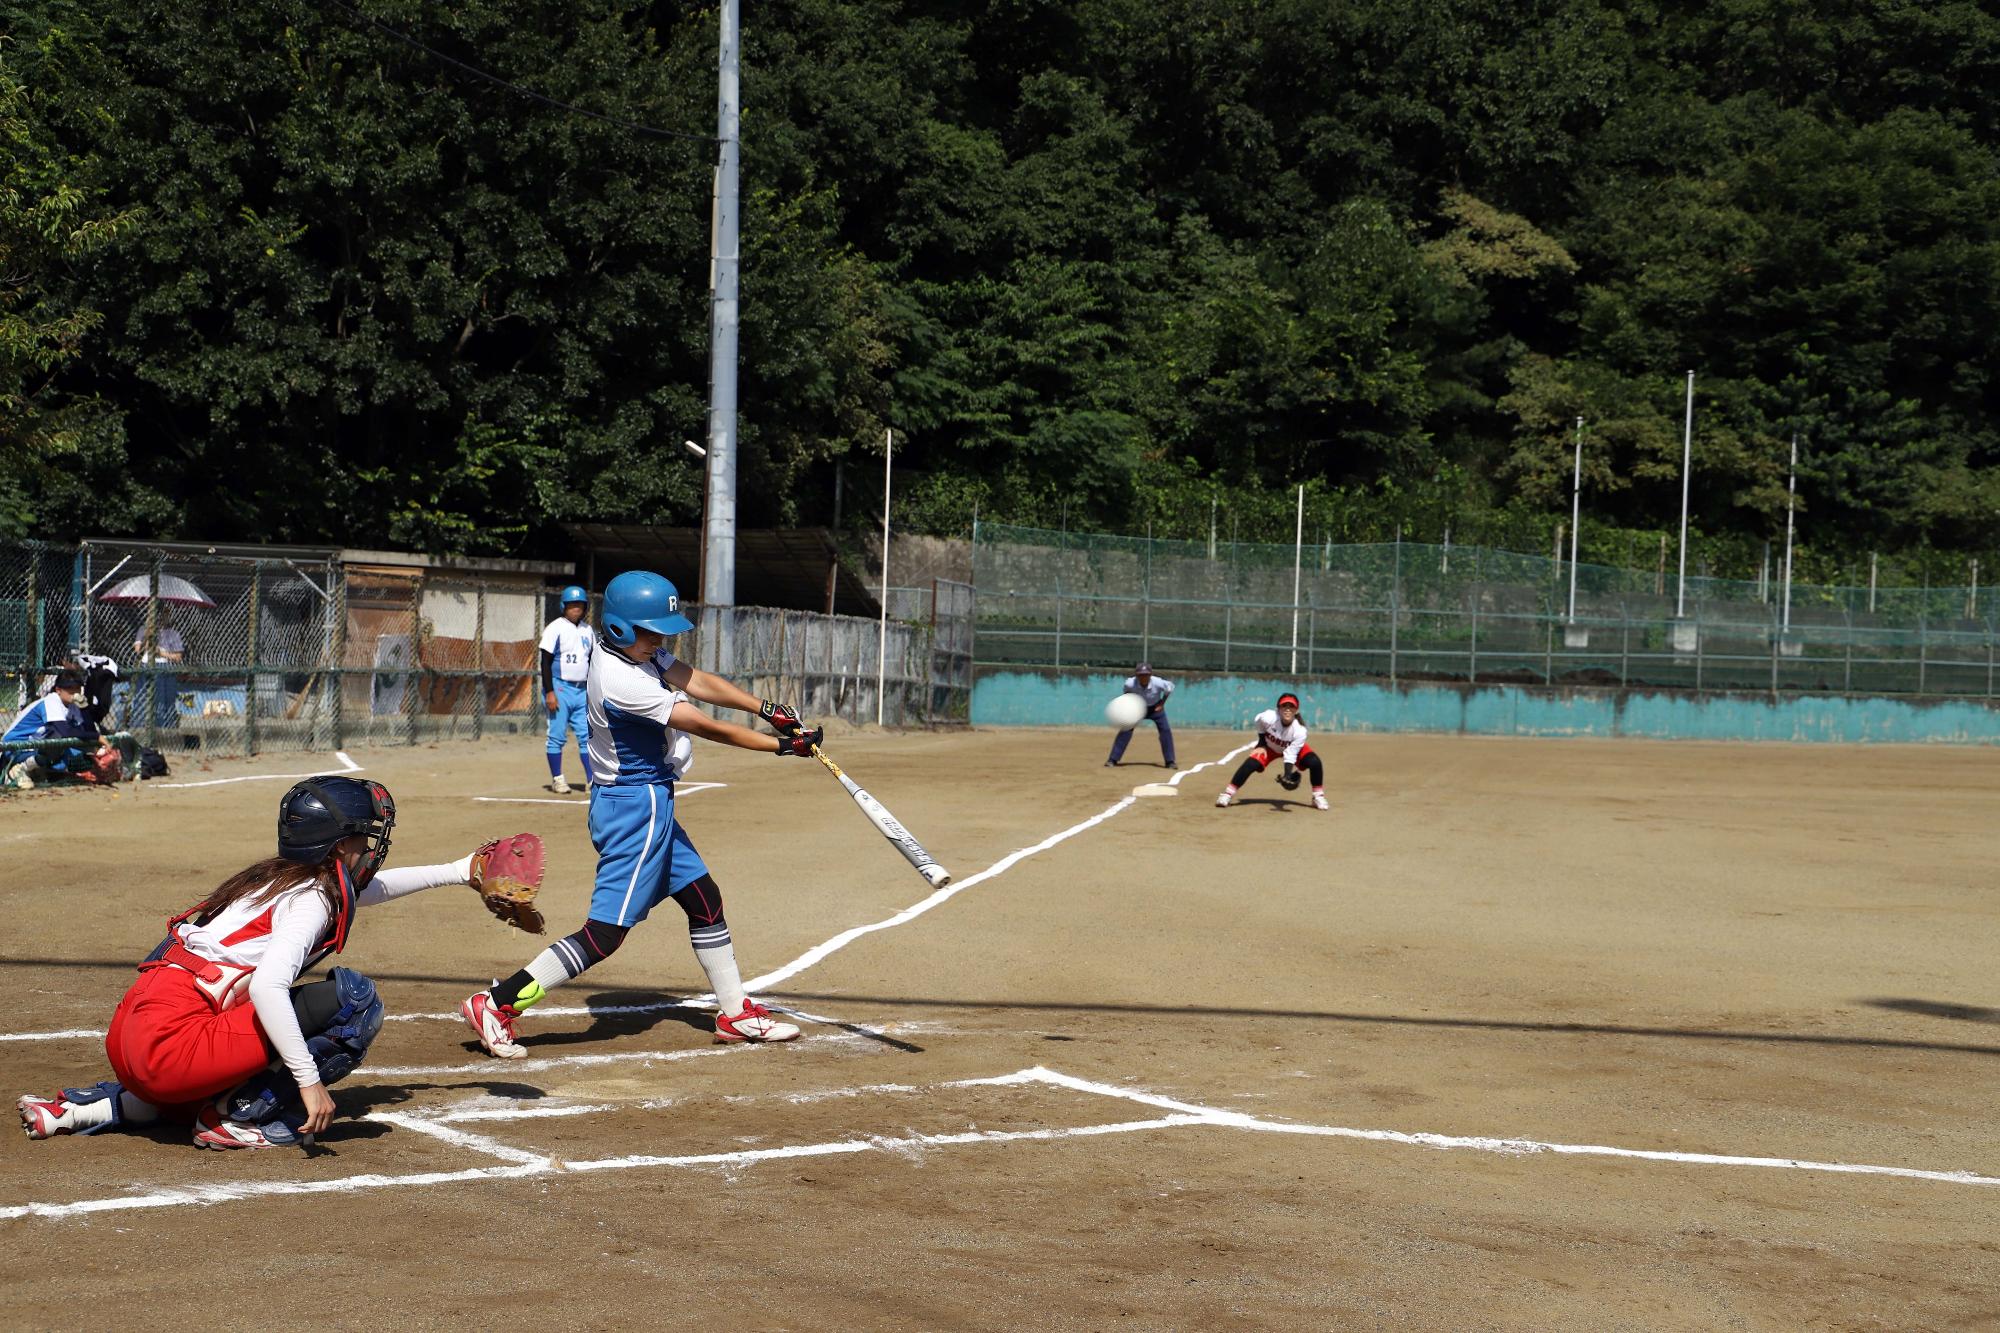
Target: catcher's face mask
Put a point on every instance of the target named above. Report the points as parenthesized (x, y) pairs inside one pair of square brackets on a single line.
[(362, 810), (377, 832)]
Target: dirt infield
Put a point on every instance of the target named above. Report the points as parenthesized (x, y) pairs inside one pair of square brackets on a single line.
[(1118, 1082)]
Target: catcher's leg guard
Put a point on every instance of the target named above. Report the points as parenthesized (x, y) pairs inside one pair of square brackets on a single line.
[(99, 1107), (108, 1093), (270, 1098)]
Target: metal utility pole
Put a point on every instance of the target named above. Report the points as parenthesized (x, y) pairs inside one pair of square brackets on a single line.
[(1298, 556), (882, 635), (1575, 515), (1791, 503), (1687, 462), (718, 581)]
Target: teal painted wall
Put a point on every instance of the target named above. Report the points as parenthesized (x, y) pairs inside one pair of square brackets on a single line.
[(1024, 698)]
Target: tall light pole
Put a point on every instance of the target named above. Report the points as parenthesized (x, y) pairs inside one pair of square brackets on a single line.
[(1298, 555), (1687, 461), (718, 579), (1791, 504), (1575, 514), (882, 635)]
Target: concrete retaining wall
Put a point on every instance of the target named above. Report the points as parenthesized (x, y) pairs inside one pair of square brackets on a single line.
[(1030, 698)]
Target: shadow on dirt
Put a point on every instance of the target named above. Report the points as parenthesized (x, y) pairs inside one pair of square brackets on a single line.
[(1965, 1013), (618, 1013), (1412, 1020)]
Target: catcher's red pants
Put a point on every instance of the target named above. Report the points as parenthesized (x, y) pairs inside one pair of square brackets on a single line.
[(168, 1044)]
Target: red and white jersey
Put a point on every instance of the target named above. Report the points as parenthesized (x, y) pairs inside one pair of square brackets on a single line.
[(276, 940), (1278, 738)]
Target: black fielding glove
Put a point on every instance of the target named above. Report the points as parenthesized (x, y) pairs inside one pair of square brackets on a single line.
[(1289, 779), (800, 743), (784, 718)]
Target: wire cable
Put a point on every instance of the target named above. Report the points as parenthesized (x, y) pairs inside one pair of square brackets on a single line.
[(650, 131)]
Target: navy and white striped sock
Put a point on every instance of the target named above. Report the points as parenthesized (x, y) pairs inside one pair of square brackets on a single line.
[(568, 958)]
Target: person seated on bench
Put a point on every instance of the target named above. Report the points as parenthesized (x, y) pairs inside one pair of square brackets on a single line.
[(54, 716)]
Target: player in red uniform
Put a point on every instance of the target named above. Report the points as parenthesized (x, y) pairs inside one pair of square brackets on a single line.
[(1280, 735), (214, 1028)]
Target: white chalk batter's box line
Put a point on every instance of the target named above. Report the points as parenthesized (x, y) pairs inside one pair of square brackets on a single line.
[(521, 1163)]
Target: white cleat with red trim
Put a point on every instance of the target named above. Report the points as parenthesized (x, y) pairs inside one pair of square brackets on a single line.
[(753, 1024), (494, 1025), (1319, 801), (43, 1117), (213, 1130)]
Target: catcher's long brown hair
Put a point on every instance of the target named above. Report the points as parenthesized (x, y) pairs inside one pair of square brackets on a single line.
[(261, 881)]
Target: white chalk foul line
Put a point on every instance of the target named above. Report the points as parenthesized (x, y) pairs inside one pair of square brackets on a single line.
[(680, 789), (819, 952), (523, 1164), (348, 766), (1504, 1147), (460, 1138), (67, 1034)]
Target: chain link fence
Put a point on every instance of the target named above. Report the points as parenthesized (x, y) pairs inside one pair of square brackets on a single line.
[(232, 655), (1404, 610)]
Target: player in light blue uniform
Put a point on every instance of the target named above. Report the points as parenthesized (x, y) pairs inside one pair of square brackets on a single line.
[(567, 647), (1154, 690), (641, 720)]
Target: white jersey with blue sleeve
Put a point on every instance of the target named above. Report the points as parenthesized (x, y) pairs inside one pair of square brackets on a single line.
[(1155, 692), (629, 703), (38, 716), (572, 647)]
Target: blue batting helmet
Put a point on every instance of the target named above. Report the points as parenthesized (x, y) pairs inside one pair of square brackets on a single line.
[(573, 594), (641, 600)]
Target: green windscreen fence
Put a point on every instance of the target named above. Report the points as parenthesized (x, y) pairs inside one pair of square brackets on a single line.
[(1403, 609)]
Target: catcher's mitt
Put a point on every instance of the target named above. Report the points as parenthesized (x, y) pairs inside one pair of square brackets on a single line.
[(1289, 779), (105, 766), (508, 874)]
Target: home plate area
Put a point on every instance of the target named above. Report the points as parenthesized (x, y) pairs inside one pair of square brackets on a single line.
[(460, 1137)]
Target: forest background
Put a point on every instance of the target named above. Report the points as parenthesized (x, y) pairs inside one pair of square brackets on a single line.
[(269, 273)]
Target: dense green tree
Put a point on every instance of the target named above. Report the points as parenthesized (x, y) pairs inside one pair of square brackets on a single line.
[(1112, 259), (49, 224)]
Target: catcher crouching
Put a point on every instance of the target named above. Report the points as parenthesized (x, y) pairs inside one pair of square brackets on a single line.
[(218, 1031)]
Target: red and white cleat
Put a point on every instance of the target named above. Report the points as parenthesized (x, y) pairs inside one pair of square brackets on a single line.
[(1319, 801), (213, 1130), (753, 1024), (1223, 798), (43, 1117), (494, 1025)]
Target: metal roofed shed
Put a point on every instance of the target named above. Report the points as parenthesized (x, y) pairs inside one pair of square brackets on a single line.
[(795, 568)]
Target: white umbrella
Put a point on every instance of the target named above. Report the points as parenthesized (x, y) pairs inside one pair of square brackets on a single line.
[(139, 588)]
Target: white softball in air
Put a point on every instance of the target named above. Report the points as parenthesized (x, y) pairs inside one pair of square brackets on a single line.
[(1126, 711)]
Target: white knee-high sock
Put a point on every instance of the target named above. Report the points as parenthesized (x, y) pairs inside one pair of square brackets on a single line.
[(719, 962)]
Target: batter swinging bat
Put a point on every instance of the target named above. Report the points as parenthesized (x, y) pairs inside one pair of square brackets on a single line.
[(880, 817)]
